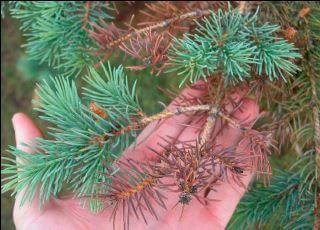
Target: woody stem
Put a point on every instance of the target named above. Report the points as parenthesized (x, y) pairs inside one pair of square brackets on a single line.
[(162, 24), (213, 112), (162, 115)]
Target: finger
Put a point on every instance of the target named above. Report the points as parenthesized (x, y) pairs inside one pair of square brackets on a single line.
[(173, 126), (229, 193), (25, 132)]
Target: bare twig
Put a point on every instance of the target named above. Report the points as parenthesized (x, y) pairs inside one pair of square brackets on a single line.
[(159, 25), (209, 126), (214, 111)]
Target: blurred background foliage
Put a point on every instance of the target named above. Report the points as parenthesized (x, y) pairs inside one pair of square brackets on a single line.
[(18, 81), (16, 93)]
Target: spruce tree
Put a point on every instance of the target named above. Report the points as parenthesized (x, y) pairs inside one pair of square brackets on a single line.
[(270, 48)]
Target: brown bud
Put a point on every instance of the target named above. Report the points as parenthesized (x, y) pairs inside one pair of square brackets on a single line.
[(99, 140), (304, 11), (289, 33), (97, 110), (141, 114)]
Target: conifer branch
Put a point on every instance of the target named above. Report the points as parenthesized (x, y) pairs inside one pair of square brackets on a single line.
[(47, 24), (168, 19), (162, 115), (177, 111), (207, 130), (87, 135), (159, 25), (287, 189), (233, 44), (296, 122), (69, 158)]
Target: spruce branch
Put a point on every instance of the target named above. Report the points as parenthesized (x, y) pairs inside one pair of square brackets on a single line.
[(233, 44), (87, 135), (295, 115), (70, 158), (149, 39), (112, 92), (166, 10), (159, 25), (48, 25), (134, 191), (143, 122), (287, 195), (135, 41), (76, 157), (187, 168), (213, 110)]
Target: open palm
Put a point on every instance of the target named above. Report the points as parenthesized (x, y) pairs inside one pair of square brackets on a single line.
[(68, 213)]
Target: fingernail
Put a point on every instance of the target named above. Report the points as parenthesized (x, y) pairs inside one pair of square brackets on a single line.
[(14, 119), (17, 115)]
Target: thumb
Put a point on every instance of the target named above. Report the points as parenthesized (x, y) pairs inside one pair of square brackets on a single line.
[(25, 133)]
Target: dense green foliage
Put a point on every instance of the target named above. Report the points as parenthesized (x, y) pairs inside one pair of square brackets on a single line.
[(56, 31), (72, 155), (291, 200), (236, 46), (287, 202), (233, 44)]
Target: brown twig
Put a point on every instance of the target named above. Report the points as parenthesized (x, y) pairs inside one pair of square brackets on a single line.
[(315, 111), (242, 6), (176, 111), (86, 16), (316, 121), (209, 126), (165, 114), (159, 25), (137, 125)]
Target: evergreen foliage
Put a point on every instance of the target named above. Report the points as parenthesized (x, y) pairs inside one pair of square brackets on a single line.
[(56, 31), (291, 201), (113, 92), (233, 44), (73, 155), (288, 201), (260, 46)]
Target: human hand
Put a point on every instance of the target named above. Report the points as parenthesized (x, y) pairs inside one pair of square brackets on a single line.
[(68, 213)]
